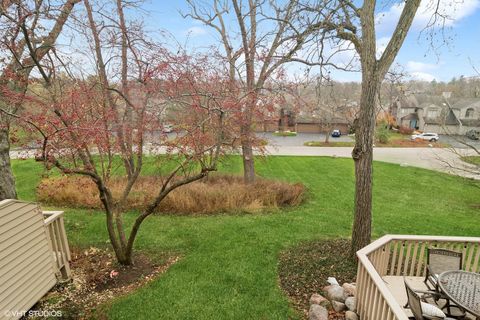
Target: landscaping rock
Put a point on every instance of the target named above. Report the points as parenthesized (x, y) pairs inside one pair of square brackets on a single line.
[(333, 281), (338, 306), (335, 293), (326, 304), (350, 289), (326, 288), (317, 299), (350, 315), (317, 312), (350, 303)]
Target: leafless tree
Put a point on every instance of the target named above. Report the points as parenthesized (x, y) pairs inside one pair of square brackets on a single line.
[(334, 104), (258, 37), (354, 24)]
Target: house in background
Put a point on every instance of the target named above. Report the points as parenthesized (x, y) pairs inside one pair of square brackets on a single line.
[(321, 120), (440, 114), (467, 112), (306, 124)]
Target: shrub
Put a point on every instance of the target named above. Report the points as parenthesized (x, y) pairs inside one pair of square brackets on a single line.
[(382, 134), (214, 194), (405, 130)]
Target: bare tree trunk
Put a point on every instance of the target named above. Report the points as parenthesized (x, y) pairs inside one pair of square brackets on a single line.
[(7, 180), (247, 152), (248, 162), (373, 73), (363, 155), (327, 134)]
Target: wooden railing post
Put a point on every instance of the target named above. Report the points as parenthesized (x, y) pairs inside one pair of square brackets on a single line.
[(58, 242)]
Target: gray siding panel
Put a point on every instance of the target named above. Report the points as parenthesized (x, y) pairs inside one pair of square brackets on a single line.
[(7, 207), (26, 261), (14, 216)]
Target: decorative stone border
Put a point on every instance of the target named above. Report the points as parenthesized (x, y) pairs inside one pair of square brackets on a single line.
[(339, 298)]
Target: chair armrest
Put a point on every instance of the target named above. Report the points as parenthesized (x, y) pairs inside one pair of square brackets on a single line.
[(431, 293), (426, 292), (432, 279)]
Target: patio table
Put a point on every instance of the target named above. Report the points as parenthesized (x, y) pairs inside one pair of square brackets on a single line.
[(463, 288)]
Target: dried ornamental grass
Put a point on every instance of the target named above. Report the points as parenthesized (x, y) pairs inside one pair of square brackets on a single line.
[(215, 194)]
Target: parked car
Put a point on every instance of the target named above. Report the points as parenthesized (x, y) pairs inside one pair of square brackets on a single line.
[(336, 133), (432, 137), (473, 134)]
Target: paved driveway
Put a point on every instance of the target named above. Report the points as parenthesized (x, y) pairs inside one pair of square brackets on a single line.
[(459, 141)]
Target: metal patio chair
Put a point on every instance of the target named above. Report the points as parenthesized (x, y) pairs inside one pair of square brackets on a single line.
[(415, 305), (439, 261)]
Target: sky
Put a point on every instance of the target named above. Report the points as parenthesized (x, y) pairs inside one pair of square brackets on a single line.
[(457, 57)]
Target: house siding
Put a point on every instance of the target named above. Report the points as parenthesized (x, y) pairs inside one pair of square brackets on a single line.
[(308, 128), (26, 263)]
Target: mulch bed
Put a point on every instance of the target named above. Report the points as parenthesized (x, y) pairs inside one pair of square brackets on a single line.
[(96, 280), (304, 269)]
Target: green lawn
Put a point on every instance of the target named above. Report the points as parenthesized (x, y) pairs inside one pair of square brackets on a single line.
[(329, 144), (285, 134), (229, 264), (472, 159)]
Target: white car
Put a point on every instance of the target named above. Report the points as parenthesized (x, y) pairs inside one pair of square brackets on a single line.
[(432, 137)]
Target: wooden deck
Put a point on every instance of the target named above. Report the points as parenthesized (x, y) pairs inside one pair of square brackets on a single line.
[(385, 263)]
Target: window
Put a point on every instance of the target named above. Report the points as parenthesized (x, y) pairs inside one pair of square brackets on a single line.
[(469, 113), (432, 113)]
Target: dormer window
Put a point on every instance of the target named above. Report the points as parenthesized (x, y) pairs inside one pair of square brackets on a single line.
[(469, 113)]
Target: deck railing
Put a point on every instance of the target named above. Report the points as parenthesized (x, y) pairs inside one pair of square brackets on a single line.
[(401, 255), (58, 243)]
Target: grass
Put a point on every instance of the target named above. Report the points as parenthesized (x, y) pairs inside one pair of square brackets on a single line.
[(329, 144), (19, 137), (398, 136), (472, 160), (229, 264), (285, 134)]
